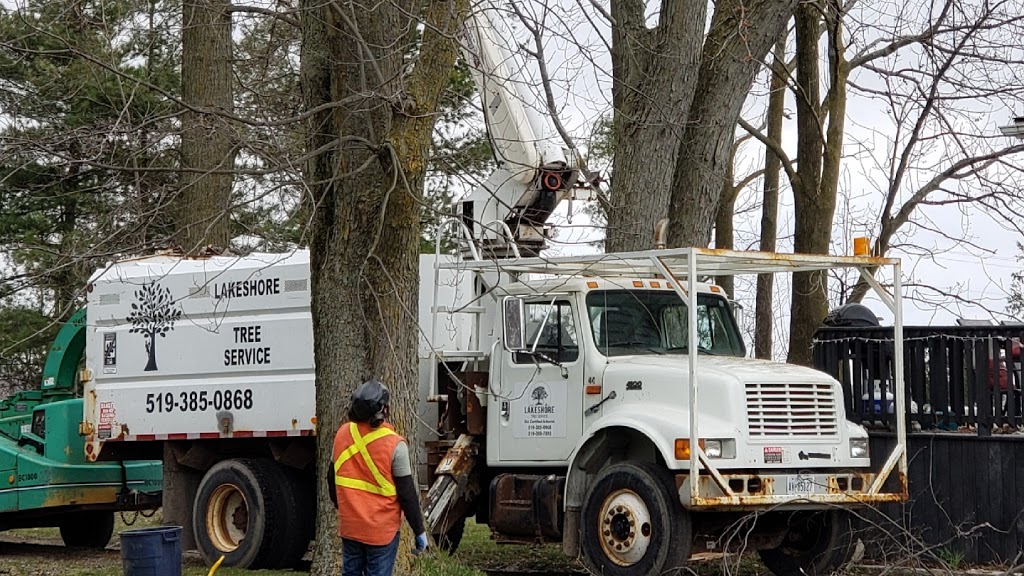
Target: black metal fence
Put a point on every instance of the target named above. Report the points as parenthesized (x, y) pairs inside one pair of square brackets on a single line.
[(956, 376), (965, 500)]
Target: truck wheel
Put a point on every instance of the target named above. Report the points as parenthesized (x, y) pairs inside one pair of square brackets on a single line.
[(633, 523), (816, 544), (239, 513), (87, 529), (299, 517)]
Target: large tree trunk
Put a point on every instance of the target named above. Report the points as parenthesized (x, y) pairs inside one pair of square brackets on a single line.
[(819, 153), (809, 305), (654, 77), (742, 32), (201, 208), (764, 314), (366, 191)]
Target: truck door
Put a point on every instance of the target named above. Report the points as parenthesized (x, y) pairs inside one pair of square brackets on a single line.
[(542, 392)]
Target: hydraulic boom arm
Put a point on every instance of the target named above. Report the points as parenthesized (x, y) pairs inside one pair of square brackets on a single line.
[(534, 174)]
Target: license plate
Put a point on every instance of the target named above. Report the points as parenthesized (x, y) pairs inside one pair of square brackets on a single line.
[(799, 485)]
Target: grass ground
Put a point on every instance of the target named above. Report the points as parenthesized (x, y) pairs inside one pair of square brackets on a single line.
[(479, 553), (39, 552)]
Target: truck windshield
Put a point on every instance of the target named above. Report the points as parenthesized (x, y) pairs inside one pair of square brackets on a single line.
[(648, 322)]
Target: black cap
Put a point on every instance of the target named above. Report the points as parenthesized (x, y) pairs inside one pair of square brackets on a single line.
[(368, 402)]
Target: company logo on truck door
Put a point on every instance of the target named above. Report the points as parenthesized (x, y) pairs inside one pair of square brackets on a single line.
[(540, 412), (153, 314), (540, 394)]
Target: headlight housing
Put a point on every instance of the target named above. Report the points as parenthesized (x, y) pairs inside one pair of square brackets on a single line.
[(720, 448), (859, 448)]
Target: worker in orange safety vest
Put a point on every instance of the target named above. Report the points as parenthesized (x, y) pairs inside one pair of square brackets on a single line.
[(371, 484)]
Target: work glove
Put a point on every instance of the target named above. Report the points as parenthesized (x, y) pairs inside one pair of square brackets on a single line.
[(421, 544)]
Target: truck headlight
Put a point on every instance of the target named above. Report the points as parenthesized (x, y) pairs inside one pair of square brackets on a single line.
[(720, 448), (859, 448)]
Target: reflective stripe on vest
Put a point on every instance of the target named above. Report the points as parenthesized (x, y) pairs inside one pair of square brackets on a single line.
[(359, 443)]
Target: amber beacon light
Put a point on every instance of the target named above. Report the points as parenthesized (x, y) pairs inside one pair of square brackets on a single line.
[(861, 246)]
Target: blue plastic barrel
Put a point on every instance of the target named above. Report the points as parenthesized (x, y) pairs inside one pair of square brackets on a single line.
[(151, 551)]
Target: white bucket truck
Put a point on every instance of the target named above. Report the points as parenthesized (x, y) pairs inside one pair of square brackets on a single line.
[(575, 407), (605, 401), (607, 429)]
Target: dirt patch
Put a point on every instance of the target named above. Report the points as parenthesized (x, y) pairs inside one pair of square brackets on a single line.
[(44, 556), (21, 558)]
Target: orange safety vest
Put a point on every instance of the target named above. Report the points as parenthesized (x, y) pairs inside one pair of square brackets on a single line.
[(368, 508)]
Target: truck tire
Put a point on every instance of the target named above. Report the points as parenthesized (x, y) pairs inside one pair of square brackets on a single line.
[(633, 524), (300, 517), (816, 544), (240, 512), (87, 529)]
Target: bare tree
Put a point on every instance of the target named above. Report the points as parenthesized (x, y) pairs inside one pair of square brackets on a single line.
[(815, 178), (938, 84), (819, 153), (934, 82), (729, 63), (724, 227), (677, 94), (763, 312)]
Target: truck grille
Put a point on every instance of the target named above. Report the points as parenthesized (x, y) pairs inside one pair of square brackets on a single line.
[(807, 410)]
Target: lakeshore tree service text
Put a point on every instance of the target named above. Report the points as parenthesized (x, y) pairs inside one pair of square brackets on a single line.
[(246, 288), (247, 356)]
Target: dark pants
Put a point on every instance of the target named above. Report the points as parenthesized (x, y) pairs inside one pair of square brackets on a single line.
[(358, 559)]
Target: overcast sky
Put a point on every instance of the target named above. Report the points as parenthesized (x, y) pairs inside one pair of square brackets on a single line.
[(977, 269)]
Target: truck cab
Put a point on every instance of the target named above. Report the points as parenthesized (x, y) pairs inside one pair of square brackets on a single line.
[(624, 419), (593, 349)]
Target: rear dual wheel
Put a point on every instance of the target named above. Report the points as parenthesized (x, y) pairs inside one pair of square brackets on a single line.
[(254, 513), (815, 544)]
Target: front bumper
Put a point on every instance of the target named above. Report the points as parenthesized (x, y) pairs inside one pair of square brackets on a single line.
[(788, 491)]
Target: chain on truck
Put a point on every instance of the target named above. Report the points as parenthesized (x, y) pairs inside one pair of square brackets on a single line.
[(604, 401)]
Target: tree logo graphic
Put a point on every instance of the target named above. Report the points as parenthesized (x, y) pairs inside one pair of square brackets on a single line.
[(539, 394), (154, 314)]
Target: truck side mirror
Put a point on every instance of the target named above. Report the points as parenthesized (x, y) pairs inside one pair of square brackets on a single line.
[(514, 314), (737, 312)]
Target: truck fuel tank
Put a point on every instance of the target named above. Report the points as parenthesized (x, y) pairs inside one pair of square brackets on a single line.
[(527, 508)]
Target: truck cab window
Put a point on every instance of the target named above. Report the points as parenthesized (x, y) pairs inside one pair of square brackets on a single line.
[(551, 326), (627, 322)]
